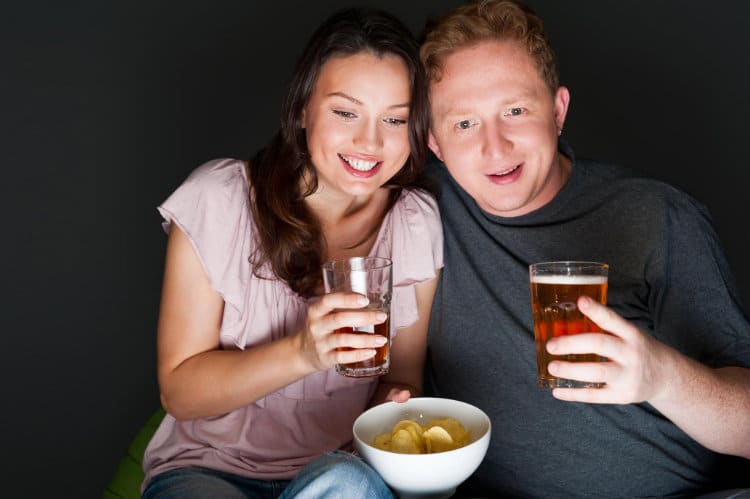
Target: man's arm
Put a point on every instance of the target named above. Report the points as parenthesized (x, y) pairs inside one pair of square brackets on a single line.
[(710, 405)]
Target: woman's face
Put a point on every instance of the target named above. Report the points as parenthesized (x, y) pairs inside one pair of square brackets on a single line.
[(356, 123)]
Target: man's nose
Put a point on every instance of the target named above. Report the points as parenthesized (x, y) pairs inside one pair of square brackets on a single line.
[(495, 141)]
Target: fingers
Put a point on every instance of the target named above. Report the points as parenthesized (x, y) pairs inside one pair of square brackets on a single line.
[(337, 310), (398, 395), (607, 345), (346, 318), (605, 317), (587, 395), (354, 340), (351, 356), (326, 342), (358, 318), (602, 344), (594, 372), (333, 301)]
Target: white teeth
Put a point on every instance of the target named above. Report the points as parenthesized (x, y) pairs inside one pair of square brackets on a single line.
[(359, 164), (511, 170)]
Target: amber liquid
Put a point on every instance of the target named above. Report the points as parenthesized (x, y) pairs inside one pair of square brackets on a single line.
[(553, 303), (373, 366)]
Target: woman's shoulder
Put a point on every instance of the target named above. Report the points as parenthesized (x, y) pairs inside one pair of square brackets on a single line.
[(416, 226), (417, 202), (211, 208), (218, 186), (211, 195), (225, 174)]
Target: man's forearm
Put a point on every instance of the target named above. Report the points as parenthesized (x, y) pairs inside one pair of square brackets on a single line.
[(710, 405)]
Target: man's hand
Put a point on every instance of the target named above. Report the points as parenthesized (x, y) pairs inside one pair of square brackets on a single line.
[(634, 369)]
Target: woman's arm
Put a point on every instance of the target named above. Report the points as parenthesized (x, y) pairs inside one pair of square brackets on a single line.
[(197, 379)]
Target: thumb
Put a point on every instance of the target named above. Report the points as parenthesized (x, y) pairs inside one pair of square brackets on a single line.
[(605, 317)]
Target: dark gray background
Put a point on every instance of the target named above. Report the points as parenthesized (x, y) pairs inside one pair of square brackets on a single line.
[(106, 106)]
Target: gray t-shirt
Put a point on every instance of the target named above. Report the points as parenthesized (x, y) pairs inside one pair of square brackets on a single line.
[(668, 275)]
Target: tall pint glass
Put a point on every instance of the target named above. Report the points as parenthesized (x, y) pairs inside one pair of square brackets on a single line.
[(372, 277), (555, 289)]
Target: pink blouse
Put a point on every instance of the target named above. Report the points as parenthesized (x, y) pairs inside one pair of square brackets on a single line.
[(272, 438)]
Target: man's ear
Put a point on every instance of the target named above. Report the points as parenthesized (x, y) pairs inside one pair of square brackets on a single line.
[(562, 101), (433, 145)]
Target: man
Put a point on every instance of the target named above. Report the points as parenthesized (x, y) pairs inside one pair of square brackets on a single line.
[(677, 393)]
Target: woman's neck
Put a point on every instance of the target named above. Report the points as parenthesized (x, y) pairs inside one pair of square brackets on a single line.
[(349, 224)]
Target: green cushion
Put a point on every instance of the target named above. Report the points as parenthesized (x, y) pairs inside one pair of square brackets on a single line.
[(126, 482)]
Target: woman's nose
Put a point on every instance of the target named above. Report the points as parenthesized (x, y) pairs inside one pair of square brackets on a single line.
[(368, 136)]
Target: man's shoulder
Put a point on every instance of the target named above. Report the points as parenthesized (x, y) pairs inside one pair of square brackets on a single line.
[(624, 177), (626, 184), (604, 171)]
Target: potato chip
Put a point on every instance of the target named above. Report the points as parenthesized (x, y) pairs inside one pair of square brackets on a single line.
[(403, 442), (437, 439), (408, 424), (409, 437), (383, 441), (415, 430), (454, 427)]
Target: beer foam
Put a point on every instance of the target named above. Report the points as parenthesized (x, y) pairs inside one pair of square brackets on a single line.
[(569, 279)]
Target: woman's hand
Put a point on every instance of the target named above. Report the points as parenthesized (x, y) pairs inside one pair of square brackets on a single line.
[(398, 395), (319, 342)]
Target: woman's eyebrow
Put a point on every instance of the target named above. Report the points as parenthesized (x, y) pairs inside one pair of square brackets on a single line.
[(359, 102)]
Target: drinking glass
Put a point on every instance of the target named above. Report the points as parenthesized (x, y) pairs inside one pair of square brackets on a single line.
[(555, 289), (372, 277)]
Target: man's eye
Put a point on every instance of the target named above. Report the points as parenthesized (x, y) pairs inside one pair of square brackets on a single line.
[(464, 124), (347, 115), (514, 111)]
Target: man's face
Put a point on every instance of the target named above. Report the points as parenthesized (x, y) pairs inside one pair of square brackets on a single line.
[(495, 125)]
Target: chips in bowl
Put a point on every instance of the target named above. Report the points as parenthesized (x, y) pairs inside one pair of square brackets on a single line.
[(424, 447), (409, 437)]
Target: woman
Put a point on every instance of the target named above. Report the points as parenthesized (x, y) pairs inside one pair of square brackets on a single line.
[(245, 338)]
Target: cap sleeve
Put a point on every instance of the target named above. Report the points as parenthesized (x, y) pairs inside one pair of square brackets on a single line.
[(417, 251), (211, 208)]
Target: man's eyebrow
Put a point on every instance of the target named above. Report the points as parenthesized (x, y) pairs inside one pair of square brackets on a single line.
[(455, 113), (359, 102), (471, 110)]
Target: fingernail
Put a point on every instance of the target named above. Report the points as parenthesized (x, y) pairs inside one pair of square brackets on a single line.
[(381, 340), (583, 302), (381, 316), (362, 300)]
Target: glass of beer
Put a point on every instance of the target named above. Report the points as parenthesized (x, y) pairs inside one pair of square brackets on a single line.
[(555, 289), (372, 277)]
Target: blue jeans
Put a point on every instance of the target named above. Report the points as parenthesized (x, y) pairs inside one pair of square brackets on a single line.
[(336, 475)]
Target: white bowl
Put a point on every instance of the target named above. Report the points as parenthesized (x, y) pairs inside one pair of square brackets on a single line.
[(423, 475)]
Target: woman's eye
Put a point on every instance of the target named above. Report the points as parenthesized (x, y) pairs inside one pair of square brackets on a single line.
[(464, 124), (515, 111), (395, 121), (347, 115)]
